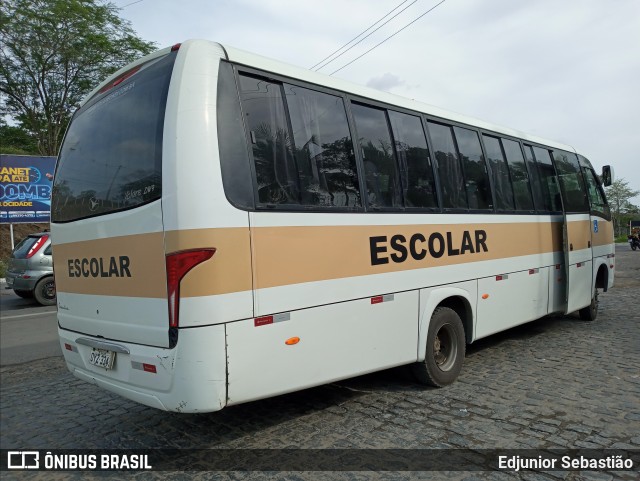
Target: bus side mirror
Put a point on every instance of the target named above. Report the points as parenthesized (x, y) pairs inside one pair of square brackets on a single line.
[(607, 175)]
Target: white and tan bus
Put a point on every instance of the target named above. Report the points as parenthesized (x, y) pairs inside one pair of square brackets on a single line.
[(228, 227)]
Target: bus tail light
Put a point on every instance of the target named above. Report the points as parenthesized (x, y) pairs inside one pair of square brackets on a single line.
[(121, 78), (178, 264)]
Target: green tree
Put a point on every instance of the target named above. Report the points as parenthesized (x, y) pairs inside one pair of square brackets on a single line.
[(619, 194), (16, 140), (52, 54)]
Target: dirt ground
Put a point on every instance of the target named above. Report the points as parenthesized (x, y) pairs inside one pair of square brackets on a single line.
[(20, 231)]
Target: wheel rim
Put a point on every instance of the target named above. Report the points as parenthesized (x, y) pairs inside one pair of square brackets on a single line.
[(445, 347), (49, 290)]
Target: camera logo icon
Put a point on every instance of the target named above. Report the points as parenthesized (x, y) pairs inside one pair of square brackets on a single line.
[(23, 460)]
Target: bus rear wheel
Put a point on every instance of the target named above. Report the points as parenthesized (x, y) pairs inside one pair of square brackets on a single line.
[(590, 312), (445, 349)]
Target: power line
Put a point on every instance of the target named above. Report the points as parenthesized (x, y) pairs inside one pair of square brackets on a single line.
[(370, 26), (362, 33), (392, 35), (367, 36), (132, 3)]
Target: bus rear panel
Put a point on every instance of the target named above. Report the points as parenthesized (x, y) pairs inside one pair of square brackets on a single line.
[(142, 249)]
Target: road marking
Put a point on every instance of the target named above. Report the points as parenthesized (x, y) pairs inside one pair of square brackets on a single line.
[(28, 315)]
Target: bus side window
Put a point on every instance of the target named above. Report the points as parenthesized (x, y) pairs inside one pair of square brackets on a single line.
[(323, 148), (574, 191), (500, 173), (265, 119), (540, 195), (235, 160), (381, 170), (519, 176), (596, 195), (475, 169), (549, 179), (449, 170), (415, 163)]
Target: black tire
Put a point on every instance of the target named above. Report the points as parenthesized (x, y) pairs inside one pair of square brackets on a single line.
[(45, 291), (590, 313), (633, 247), (24, 294), (445, 349)]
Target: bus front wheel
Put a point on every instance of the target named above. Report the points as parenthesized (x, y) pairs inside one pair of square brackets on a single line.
[(445, 349)]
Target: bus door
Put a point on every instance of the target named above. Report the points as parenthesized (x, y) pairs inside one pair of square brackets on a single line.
[(576, 231), (548, 198), (565, 277)]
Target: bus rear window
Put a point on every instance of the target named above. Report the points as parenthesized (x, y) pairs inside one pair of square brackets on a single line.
[(111, 158)]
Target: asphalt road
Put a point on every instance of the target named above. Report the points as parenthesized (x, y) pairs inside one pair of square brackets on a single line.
[(28, 331)]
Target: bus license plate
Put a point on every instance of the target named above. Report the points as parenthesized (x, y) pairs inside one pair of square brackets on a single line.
[(102, 358)]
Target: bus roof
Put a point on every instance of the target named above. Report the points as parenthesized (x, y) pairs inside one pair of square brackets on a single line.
[(264, 63), (260, 62)]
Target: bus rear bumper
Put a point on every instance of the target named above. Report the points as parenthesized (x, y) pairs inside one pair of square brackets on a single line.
[(182, 380), (138, 396)]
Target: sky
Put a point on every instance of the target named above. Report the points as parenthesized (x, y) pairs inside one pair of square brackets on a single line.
[(564, 70)]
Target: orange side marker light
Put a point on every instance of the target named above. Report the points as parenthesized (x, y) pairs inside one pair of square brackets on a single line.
[(485, 296), (292, 341)]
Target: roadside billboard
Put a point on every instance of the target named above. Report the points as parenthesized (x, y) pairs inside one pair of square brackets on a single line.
[(25, 188)]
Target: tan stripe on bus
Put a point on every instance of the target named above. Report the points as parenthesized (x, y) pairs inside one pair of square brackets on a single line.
[(604, 235), (291, 255), (146, 266), (579, 234), (229, 270)]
